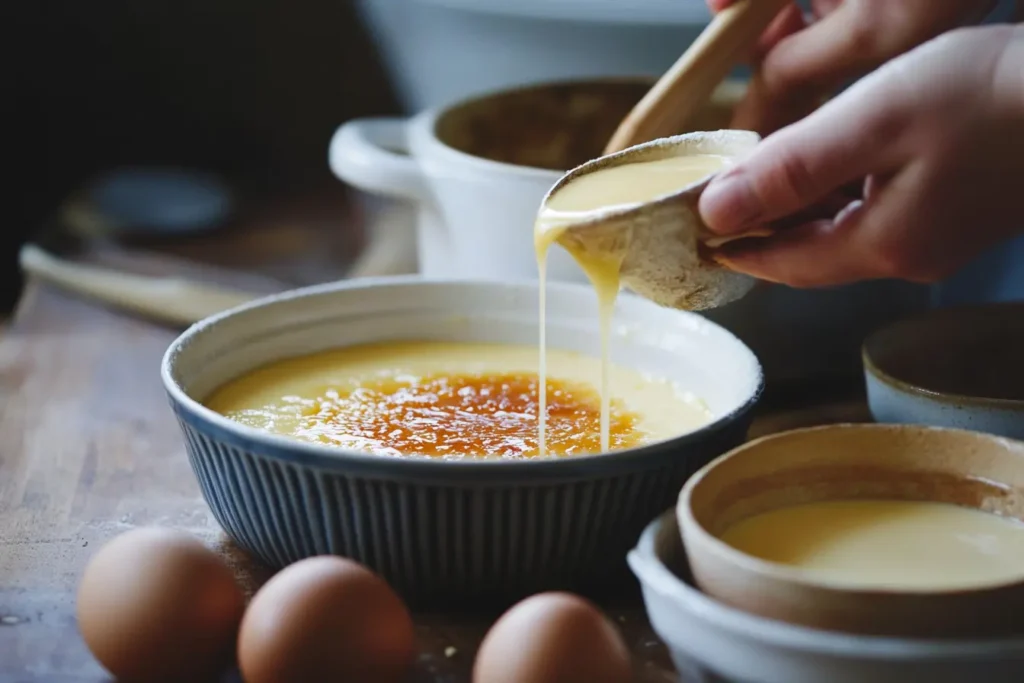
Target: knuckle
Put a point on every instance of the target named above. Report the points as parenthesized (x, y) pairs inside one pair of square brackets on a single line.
[(887, 126), (862, 39), (792, 180)]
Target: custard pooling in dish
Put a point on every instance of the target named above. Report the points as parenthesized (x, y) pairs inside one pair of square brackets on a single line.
[(887, 544), (453, 400)]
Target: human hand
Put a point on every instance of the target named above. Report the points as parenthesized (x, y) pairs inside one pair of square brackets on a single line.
[(798, 63), (936, 138)]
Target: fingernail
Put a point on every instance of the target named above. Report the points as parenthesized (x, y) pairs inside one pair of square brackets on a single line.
[(729, 204)]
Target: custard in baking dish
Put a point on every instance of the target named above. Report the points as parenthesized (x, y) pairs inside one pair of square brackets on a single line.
[(452, 400)]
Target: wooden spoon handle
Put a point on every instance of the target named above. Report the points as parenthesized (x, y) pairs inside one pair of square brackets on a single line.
[(688, 84), (171, 300)]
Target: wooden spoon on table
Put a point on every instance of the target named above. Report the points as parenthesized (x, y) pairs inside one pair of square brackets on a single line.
[(687, 85), (182, 301), (170, 300)]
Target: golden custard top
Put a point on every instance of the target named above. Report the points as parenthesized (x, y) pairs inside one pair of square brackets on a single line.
[(456, 414), (447, 400)]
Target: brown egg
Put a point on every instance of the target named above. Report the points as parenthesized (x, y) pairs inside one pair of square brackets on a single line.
[(157, 605), (553, 638), (326, 619)]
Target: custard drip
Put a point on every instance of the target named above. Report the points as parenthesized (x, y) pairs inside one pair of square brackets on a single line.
[(581, 200)]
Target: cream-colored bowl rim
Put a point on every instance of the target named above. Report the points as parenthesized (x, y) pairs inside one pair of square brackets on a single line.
[(798, 576)]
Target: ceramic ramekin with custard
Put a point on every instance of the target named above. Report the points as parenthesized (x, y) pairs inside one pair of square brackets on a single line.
[(457, 529), (845, 553)]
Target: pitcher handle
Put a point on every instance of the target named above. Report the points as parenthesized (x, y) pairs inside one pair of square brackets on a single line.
[(373, 155)]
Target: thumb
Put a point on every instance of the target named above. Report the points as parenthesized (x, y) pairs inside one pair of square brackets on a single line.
[(849, 138)]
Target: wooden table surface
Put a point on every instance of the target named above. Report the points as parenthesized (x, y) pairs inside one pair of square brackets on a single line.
[(89, 448)]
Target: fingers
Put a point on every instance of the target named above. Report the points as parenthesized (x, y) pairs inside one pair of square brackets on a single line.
[(827, 209), (799, 65), (764, 112), (807, 256), (756, 111), (789, 21), (910, 136), (841, 45), (868, 239), (856, 135), (802, 66), (819, 254), (814, 254)]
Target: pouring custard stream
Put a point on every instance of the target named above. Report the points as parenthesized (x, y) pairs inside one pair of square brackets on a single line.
[(581, 200)]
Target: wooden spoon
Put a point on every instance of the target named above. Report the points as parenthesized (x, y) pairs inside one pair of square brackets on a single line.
[(687, 85), (176, 301), (179, 301)]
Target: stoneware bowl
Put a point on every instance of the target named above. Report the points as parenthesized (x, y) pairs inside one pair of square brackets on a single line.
[(662, 238), (712, 641), (450, 531), (865, 461), (955, 367)]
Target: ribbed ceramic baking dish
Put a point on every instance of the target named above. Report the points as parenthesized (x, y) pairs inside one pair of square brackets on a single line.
[(442, 530)]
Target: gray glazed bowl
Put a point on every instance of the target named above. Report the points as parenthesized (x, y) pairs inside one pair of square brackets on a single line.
[(711, 641), (444, 531), (955, 367)]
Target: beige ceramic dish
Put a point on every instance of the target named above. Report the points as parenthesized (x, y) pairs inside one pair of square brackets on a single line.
[(662, 239), (844, 462)]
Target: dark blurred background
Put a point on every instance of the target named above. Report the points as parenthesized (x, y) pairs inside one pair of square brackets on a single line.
[(252, 91), (249, 90)]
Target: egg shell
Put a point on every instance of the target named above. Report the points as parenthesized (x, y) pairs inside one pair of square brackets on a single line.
[(553, 638), (157, 605), (326, 619)]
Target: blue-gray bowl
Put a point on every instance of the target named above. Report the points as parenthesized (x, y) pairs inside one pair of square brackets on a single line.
[(955, 367), (447, 531)]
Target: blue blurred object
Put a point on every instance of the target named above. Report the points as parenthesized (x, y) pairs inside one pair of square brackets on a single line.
[(995, 276), (161, 200)]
